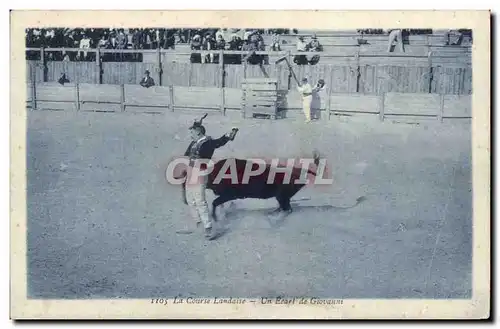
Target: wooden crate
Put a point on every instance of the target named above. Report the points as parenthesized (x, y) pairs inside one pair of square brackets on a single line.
[(260, 97)]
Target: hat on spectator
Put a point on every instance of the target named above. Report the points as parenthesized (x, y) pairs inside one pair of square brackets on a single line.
[(314, 36), (146, 72)]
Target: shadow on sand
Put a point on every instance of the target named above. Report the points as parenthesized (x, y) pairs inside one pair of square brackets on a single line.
[(275, 221)]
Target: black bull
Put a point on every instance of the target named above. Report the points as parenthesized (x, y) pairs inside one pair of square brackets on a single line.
[(257, 186)]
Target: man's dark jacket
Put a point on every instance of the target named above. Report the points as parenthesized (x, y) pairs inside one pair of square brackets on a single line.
[(149, 82)]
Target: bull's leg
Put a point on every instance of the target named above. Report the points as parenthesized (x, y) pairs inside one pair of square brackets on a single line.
[(284, 202), (218, 201), (284, 209)]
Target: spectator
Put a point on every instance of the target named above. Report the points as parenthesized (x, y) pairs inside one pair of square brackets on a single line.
[(122, 41), (263, 59), (49, 35), (453, 37), (209, 44), (103, 42), (146, 41), (196, 45), (275, 42), (178, 38), (301, 47), (136, 39), (235, 45), (112, 40), (247, 35), (63, 79), (154, 34), (395, 35), (251, 47), (314, 46), (220, 44), (158, 36), (220, 34), (84, 44), (147, 81), (136, 43), (168, 38), (184, 35)]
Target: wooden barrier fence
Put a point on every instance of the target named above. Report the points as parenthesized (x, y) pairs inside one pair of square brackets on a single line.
[(349, 79), (160, 99), (358, 72)]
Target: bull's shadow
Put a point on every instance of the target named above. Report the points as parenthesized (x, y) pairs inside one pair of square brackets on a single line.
[(233, 217)]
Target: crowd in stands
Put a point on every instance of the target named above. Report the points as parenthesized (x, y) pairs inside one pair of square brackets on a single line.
[(206, 40), (246, 40), (249, 41), (134, 38), (405, 32)]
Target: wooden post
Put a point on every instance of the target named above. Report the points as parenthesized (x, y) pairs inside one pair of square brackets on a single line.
[(98, 66), (122, 97), (221, 64), (223, 101), (33, 96), (158, 66), (441, 108), (289, 56), (244, 69), (278, 76), (243, 99), (330, 97), (429, 72), (171, 97), (358, 72), (161, 83), (77, 96), (33, 87), (381, 104), (44, 64)]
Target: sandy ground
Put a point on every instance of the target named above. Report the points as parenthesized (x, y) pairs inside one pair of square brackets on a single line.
[(102, 221)]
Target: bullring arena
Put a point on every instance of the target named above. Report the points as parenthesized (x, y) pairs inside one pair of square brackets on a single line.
[(395, 129)]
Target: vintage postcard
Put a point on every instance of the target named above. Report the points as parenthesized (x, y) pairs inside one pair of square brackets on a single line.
[(250, 165)]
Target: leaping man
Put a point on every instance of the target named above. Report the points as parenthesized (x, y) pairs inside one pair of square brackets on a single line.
[(202, 147)]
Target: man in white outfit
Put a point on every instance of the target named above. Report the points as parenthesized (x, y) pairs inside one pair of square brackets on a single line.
[(202, 147), (395, 35), (306, 91), (317, 95)]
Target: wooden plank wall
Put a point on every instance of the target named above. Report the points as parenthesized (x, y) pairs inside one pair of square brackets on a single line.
[(133, 98), (341, 79), (79, 72)]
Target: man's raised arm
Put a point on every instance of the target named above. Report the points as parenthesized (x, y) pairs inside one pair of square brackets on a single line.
[(224, 139)]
